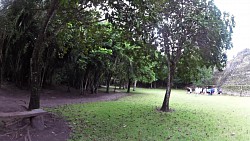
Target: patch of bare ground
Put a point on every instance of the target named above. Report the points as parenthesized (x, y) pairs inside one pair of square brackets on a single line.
[(13, 99)]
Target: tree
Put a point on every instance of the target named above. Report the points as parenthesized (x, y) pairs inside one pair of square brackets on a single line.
[(191, 69), (36, 60), (117, 16), (90, 42), (197, 27), (3, 37)]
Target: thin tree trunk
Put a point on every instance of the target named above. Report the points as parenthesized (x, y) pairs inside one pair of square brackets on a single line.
[(96, 83), (91, 84), (165, 105), (1, 74), (51, 77), (124, 86), (1, 60), (91, 87), (108, 83), (1, 65), (120, 84), (1, 56), (81, 87), (42, 76), (115, 84), (85, 86), (86, 79), (134, 85)]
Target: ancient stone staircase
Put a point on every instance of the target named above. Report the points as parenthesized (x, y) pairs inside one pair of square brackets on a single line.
[(235, 79)]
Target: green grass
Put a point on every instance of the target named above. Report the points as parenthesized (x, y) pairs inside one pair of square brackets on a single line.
[(195, 118)]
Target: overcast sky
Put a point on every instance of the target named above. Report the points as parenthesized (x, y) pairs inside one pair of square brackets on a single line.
[(241, 11)]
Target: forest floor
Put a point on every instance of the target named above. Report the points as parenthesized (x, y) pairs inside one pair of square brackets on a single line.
[(13, 99)]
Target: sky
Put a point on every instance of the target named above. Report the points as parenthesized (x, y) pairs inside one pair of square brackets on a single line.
[(241, 11)]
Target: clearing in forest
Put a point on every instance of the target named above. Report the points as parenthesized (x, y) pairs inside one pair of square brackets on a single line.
[(194, 117)]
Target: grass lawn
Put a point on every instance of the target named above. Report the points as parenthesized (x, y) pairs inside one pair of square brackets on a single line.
[(195, 118)]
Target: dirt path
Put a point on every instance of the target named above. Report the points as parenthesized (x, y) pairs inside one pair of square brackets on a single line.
[(57, 129)]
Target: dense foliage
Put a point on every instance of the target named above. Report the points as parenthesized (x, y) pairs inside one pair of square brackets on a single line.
[(85, 44)]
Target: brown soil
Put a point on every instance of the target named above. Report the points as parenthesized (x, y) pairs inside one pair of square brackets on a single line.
[(13, 99)]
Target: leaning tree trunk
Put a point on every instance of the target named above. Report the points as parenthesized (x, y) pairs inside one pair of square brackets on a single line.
[(36, 60), (165, 104)]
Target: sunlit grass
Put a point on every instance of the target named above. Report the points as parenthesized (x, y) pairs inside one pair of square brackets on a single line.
[(195, 117)]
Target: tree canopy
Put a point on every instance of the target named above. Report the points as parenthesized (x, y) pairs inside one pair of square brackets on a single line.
[(196, 30), (85, 44)]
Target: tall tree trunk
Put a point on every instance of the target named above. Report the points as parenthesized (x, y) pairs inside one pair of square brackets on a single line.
[(115, 84), (124, 86), (1, 66), (120, 84), (42, 76), (134, 85), (96, 81), (108, 83), (2, 44), (1, 76), (35, 63), (129, 83), (81, 87), (165, 105), (1, 62), (35, 81), (86, 86), (85, 80), (51, 72)]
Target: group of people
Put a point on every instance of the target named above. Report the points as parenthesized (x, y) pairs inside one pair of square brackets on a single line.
[(207, 90)]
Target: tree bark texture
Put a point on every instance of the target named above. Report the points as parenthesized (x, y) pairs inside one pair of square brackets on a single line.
[(129, 84), (36, 60), (165, 105)]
